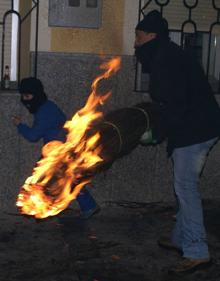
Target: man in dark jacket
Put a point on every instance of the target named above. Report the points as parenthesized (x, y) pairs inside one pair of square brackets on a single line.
[(47, 125), (190, 118)]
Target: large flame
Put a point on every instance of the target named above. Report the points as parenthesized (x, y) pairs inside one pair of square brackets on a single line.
[(64, 168)]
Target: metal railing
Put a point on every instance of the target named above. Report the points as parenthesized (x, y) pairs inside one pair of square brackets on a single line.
[(21, 20), (162, 5)]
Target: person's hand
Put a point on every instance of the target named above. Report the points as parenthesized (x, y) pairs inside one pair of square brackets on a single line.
[(16, 120)]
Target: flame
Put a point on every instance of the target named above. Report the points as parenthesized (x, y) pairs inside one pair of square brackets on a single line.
[(66, 167)]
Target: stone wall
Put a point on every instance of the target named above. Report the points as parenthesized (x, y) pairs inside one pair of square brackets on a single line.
[(145, 175), (17, 156)]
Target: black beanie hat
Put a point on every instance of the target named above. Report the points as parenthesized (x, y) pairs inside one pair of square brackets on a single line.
[(154, 22), (31, 85)]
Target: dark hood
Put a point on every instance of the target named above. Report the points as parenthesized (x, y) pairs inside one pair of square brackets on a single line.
[(147, 53), (153, 22), (32, 86)]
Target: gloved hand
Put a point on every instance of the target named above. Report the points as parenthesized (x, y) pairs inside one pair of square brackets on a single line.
[(16, 120), (147, 138)]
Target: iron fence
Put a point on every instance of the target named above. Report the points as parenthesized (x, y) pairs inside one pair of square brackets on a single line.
[(186, 38)]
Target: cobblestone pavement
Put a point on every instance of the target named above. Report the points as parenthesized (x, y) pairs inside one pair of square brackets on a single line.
[(118, 244)]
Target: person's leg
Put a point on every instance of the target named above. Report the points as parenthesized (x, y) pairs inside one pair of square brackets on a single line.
[(189, 232), (85, 200), (87, 203)]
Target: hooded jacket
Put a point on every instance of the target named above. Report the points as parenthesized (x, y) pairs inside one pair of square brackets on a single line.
[(189, 113), (48, 118), (47, 124)]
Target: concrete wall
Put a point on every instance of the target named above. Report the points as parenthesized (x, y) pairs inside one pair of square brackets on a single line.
[(145, 175)]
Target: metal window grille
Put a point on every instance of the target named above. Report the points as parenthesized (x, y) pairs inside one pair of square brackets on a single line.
[(197, 31), (21, 20)]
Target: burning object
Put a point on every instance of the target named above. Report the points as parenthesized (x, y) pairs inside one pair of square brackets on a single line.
[(93, 143)]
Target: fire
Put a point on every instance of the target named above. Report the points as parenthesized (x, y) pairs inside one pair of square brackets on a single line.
[(66, 167)]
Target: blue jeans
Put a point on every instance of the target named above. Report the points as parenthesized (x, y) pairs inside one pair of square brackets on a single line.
[(189, 232), (85, 200)]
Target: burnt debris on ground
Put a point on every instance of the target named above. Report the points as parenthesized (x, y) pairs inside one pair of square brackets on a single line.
[(118, 244)]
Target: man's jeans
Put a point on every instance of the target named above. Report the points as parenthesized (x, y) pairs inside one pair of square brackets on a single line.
[(189, 233)]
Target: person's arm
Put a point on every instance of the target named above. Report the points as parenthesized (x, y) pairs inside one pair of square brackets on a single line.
[(34, 133)]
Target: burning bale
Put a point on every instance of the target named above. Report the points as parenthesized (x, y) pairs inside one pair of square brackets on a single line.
[(93, 143), (120, 130)]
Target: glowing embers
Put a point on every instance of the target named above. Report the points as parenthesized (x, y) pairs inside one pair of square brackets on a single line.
[(66, 167)]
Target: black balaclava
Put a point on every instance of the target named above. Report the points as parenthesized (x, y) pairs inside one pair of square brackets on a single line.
[(32, 85), (155, 23)]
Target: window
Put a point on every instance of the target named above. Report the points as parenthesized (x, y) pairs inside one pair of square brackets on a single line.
[(9, 25), (195, 25), (92, 3), (74, 3), (5, 5)]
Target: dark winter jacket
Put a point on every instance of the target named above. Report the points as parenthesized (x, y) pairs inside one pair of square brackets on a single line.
[(189, 112), (47, 124)]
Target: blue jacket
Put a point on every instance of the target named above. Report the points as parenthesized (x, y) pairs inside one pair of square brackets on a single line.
[(47, 124)]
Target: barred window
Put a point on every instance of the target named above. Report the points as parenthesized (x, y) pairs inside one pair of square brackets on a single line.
[(193, 24)]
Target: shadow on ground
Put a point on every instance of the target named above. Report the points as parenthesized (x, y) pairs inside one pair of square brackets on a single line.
[(118, 244)]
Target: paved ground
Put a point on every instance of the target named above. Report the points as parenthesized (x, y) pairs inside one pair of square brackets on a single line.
[(118, 244)]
